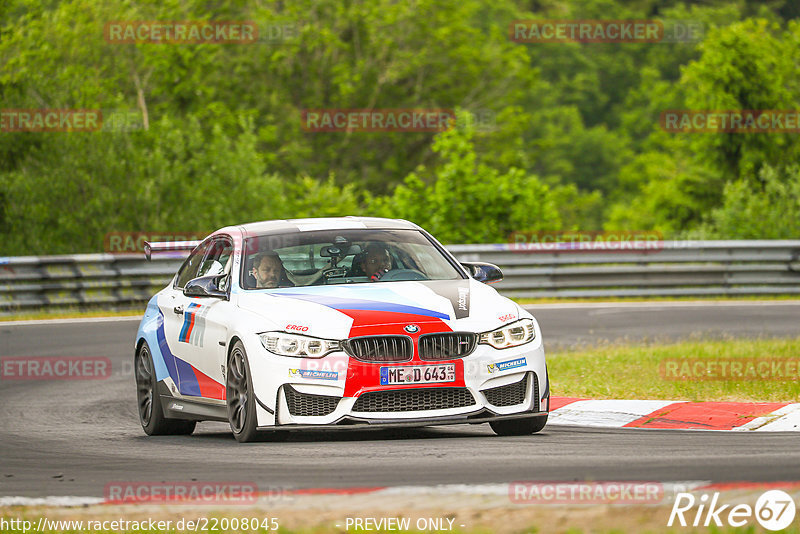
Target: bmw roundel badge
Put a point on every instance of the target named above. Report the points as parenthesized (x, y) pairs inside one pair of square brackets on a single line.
[(411, 328)]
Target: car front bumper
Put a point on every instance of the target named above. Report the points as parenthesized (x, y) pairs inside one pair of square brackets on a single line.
[(488, 388)]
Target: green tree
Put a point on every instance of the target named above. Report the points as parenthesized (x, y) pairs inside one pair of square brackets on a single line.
[(749, 65), (770, 213), (461, 200)]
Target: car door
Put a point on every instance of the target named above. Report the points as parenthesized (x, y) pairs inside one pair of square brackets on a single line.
[(191, 336), (205, 327)]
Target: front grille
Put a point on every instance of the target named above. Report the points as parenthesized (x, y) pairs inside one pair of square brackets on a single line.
[(411, 400), (380, 348), (448, 346), (513, 394), (305, 405)]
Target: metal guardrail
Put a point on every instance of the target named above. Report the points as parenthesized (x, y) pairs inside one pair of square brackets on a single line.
[(679, 268), (82, 280)]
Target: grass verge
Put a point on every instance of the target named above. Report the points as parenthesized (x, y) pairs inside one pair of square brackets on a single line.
[(695, 298), (69, 314), (693, 371), (479, 519)]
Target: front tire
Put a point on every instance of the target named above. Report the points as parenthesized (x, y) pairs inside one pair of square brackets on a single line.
[(240, 397), (519, 427), (151, 413)]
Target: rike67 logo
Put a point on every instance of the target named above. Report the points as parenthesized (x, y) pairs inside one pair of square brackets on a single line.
[(774, 510)]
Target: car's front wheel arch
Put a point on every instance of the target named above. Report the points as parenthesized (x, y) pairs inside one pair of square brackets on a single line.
[(231, 342)]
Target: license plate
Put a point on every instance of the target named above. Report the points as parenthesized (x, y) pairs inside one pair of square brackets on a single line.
[(418, 374)]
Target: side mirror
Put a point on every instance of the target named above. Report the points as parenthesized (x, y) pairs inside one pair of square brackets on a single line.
[(206, 286), (484, 272)]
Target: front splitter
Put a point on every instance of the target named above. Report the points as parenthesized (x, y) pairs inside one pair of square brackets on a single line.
[(349, 422)]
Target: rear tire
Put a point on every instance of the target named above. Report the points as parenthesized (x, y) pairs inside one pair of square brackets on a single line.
[(151, 413), (519, 427)]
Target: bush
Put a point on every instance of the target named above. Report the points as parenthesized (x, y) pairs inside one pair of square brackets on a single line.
[(460, 200), (770, 213)]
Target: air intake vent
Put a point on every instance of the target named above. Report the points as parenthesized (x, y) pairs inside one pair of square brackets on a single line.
[(380, 348), (305, 405), (448, 346), (508, 395), (513, 394), (411, 400)]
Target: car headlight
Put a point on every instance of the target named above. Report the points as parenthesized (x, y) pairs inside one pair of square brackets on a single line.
[(512, 335), (298, 346)]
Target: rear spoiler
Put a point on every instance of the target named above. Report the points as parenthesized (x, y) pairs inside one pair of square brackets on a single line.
[(167, 246)]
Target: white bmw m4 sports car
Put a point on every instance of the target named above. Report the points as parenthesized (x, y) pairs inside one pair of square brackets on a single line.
[(337, 323)]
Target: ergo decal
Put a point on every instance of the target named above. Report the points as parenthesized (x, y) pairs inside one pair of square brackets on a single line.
[(296, 328)]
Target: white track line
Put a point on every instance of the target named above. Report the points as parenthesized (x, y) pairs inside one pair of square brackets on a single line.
[(618, 413), (786, 419), (75, 320), (49, 501), (605, 413), (500, 490)]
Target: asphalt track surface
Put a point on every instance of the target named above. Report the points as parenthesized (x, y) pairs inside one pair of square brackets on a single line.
[(73, 437)]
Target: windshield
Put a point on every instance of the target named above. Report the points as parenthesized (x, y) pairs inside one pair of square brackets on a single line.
[(342, 257)]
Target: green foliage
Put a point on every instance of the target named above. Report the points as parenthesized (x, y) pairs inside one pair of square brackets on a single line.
[(746, 66), (170, 178), (769, 212), (673, 193), (461, 200), (575, 142), (677, 179)]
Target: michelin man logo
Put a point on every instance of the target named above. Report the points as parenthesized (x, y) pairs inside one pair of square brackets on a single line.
[(313, 374)]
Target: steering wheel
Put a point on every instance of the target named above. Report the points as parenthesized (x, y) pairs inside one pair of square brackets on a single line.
[(334, 272), (402, 275)]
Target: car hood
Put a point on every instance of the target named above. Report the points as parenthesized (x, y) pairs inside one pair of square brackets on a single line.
[(338, 311)]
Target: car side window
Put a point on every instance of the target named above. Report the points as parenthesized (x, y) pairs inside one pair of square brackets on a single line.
[(216, 259), (192, 264)]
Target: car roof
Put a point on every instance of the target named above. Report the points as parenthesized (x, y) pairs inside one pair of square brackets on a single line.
[(324, 223)]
